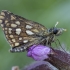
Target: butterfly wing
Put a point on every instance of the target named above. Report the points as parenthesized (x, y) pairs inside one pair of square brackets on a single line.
[(21, 32)]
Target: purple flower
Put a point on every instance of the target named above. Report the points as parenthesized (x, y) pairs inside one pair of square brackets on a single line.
[(39, 52)]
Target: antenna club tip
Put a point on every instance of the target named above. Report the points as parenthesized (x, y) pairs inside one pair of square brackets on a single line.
[(57, 22), (65, 29)]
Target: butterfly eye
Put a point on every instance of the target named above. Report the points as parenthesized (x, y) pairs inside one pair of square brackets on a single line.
[(55, 31)]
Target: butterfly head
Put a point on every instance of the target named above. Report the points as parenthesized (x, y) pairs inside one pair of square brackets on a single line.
[(57, 31)]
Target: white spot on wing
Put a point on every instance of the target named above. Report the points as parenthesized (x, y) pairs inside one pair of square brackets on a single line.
[(29, 32), (6, 32), (17, 22), (12, 17), (25, 47), (13, 25), (16, 44), (18, 31), (10, 29), (25, 41), (1, 25), (0, 21), (20, 38), (11, 36), (2, 13), (5, 28), (28, 26), (9, 32), (1, 17), (21, 49), (13, 40), (6, 21)]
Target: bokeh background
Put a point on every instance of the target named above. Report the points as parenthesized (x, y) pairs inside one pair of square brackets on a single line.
[(47, 13)]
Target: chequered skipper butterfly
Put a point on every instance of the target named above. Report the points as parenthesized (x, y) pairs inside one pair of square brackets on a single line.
[(22, 33)]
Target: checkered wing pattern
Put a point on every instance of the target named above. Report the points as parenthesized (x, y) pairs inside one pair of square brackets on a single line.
[(20, 32)]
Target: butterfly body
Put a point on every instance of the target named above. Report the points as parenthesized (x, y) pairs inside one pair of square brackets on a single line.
[(22, 33)]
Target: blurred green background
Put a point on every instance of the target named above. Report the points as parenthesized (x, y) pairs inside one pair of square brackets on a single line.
[(46, 12)]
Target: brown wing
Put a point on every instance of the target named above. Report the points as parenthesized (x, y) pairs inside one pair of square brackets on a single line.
[(20, 31)]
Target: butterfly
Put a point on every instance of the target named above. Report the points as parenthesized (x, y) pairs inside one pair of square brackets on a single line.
[(22, 33)]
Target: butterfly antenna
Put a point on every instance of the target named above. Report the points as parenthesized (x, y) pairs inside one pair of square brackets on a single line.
[(55, 43), (62, 28), (61, 45), (56, 24)]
